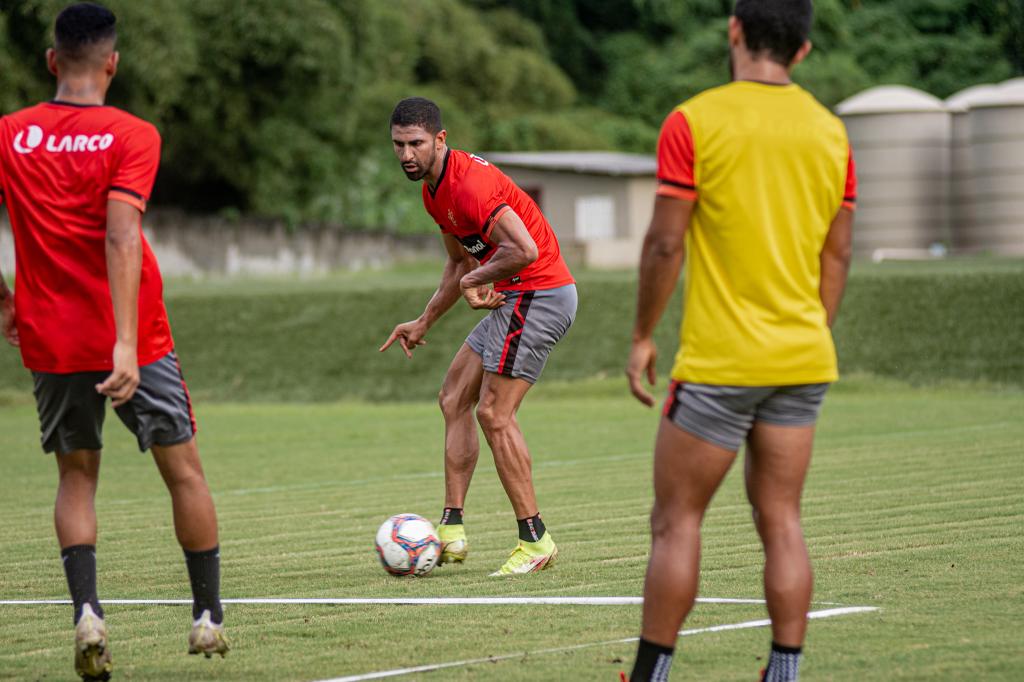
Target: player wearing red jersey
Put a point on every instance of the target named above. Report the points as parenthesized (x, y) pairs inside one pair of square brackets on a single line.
[(88, 315), (502, 256)]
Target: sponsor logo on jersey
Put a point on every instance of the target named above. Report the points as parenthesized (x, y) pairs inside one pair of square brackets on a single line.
[(28, 140), (476, 246)]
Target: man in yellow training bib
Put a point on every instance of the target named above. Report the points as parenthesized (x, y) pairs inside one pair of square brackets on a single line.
[(757, 186)]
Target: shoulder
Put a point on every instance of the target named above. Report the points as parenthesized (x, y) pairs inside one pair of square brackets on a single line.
[(131, 126), (825, 117), (471, 174), (709, 97)]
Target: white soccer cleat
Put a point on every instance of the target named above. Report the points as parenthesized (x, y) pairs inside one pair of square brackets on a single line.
[(92, 657), (207, 637)]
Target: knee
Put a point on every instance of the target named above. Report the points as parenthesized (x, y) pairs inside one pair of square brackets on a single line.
[(184, 476), (452, 403), (79, 468), (491, 420), (773, 520), (666, 523)]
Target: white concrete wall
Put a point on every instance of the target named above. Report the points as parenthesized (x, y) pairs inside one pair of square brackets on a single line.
[(188, 246)]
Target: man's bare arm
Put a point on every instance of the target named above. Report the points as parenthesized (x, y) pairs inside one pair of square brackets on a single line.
[(660, 263), (835, 262), (124, 271), (10, 331), (514, 250), (458, 265)]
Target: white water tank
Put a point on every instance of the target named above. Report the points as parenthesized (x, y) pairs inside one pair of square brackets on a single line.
[(995, 124), (901, 142), (960, 182)]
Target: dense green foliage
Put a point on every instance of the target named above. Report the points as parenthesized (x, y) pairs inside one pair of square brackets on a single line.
[(318, 341), (914, 504), (280, 108)]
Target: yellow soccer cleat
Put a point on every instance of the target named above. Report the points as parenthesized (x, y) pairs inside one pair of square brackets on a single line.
[(207, 637), (529, 557), (454, 546), (92, 657)]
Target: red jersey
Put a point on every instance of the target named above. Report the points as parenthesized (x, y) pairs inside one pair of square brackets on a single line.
[(469, 198), (59, 164)]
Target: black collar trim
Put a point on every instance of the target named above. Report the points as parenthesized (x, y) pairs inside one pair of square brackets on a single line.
[(440, 179), (74, 104), (753, 80)]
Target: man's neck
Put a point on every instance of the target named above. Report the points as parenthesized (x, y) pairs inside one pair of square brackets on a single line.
[(81, 90), (434, 174), (761, 71)]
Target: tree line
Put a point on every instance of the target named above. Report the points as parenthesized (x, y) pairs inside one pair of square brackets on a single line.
[(280, 109)]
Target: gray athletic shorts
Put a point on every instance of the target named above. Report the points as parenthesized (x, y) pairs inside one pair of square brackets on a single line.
[(71, 412), (516, 339), (724, 415)]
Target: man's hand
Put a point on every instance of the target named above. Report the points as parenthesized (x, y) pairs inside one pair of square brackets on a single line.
[(121, 384), (9, 329), (409, 335), (642, 359), (481, 297)]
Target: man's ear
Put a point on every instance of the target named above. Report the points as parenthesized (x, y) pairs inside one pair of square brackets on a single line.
[(51, 60), (112, 61), (736, 38), (440, 139), (802, 53)]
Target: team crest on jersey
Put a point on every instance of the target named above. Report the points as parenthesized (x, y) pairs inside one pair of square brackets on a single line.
[(451, 217), (28, 140)]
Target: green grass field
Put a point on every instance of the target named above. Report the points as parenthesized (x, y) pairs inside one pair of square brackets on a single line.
[(915, 505)]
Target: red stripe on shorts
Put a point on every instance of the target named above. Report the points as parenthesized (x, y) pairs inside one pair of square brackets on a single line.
[(188, 397)]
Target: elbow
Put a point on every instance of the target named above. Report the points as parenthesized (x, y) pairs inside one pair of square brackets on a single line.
[(123, 238), (664, 248), (841, 255), (530, 254)]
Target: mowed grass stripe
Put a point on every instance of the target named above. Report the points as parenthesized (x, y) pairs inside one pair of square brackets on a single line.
[(913, 504)]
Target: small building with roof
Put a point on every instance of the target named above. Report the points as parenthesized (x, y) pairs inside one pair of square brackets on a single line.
[(598, 203)]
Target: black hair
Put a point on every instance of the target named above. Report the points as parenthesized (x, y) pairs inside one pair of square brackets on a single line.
[(418, 111), (777, 28), (82, 26)]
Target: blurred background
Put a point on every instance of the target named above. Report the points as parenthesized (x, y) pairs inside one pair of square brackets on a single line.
[(274, 114)]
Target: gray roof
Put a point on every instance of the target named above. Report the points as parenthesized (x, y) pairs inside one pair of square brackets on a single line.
[(590, 163)]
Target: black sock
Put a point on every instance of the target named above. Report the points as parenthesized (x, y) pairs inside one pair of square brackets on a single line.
[(653, 662), (452, 516), (80, 569), (783, 664), (204, 573), (531, 529)]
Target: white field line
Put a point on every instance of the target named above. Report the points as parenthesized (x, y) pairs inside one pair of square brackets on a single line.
[(826, 613), (412, 601)]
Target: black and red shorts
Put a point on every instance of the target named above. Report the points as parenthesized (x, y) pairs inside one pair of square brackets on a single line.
[(71, 412)]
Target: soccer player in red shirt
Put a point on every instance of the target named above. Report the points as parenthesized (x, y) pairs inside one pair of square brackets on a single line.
[(88, 315), (503, 257)]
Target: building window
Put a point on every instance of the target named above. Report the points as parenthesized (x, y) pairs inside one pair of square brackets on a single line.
[(595, 217), (536, 193)]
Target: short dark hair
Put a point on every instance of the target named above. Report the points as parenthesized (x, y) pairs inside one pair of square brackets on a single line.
[(82, 26), (776, 27), (418, 111)]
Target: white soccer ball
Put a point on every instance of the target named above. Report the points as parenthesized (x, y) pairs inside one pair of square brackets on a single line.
[(407, 544)]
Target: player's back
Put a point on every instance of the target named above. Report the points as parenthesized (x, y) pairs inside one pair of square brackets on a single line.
[(59, 165), (770, 171)]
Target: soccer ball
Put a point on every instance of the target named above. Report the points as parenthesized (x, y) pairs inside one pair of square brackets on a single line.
[(407, 544)]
